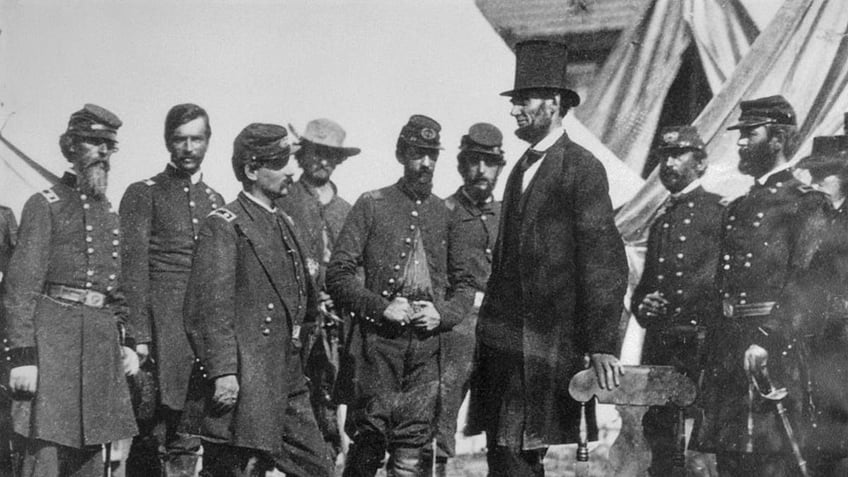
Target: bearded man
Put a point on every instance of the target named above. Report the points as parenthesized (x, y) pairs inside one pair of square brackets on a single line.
[(65, 315), (558, 278), (769, 238)]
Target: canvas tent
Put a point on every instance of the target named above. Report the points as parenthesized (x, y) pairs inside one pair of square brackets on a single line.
[(22, 176)]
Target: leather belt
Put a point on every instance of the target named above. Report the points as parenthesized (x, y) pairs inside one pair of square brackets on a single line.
[(85, 297), (735, 310)]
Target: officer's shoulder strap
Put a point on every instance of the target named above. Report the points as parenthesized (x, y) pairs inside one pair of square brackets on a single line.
[(50, 195), (224, 213), (373, 194), (149, 182)]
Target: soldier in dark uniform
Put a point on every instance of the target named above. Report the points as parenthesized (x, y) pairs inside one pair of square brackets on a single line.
[(473, 229), (769, 237), (390, 370), (8, 238), (675, 298), (164, 214), (317, 210), (249, 295), (63, 312)]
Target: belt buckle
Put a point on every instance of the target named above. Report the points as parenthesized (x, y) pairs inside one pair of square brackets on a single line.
[(727, 308), (93, 299)]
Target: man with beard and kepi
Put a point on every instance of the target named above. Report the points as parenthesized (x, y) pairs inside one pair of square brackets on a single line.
[(164, 215), (248, 298), (390, 368), (559, 274), (64, 313), (473, 229), (769, 238), (316, 208), (675, 299)]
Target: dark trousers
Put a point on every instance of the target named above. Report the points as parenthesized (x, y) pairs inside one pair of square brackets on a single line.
[(739, 464), (659, 426), (5, 433), (48, 459), (160, 450), (397, 411), (506, 462), (458, 361)]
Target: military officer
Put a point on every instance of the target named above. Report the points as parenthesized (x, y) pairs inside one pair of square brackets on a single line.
[(8, 238), (472, 230), (390, 372), (316, 208), (769, 237), (675, 298), (63, 312), (164, 214), (249, 295)]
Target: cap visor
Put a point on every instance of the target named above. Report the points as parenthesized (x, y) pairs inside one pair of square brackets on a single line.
[(753, 123)]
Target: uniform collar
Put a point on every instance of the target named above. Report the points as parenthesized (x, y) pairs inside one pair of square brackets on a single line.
[(472, 206), (256, 201), (779, 172), (175, 171), (686, 190)]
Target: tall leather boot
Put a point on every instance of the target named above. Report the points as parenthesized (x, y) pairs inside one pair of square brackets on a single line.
[(404, 462), (363, 459)]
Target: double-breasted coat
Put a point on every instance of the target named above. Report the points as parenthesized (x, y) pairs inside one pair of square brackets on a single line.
[(163, 214), (249, 295), (67, 238), (555, 294), (769, 238)]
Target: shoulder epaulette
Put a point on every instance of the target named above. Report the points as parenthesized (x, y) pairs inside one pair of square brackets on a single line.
[(224, 214), (374, 194), (50, 195), (725, 201), (149, 182)]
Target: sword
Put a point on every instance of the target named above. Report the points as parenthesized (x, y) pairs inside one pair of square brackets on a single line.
[(777, 395)]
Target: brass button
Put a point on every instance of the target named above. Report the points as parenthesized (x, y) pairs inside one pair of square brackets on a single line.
[(112, 276), (89, 250), (415, 213), (266, 331), (115, 242), (270, 306), (185, 189), (268, 319), (191, 203), (89, 239), (407, 240), (86, 206), (89, 228), (83, 197), (90, 273)]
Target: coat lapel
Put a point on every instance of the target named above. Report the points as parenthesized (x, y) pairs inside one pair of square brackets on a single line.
[(539, 189), (263, 249)]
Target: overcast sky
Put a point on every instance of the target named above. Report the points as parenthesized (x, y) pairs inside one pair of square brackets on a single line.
[(368, 65)]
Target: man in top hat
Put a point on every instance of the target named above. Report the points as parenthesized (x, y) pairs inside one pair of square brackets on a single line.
[(473, 229), (769, 237), (316, 208), (558, 278), (390, 370), (64, 313), (164, 215), (248, 297), (675, 298)]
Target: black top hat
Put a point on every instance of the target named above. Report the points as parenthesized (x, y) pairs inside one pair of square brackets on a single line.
[(483, 138), (421, 131), (762, 111), (681, 137), (542, 64), (829, 156)]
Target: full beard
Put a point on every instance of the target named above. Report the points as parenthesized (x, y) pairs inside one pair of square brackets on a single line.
[(420, 183), (756, 160), (537, 128), (477, 193), (93, 180)]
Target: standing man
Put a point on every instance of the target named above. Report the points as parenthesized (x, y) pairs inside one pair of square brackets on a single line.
[(317, 210), (558, 279), (64, 313), (163, 214), (8, 239), (675, 299), (769, 237), (248, 297), (472, 230), (390, 370)]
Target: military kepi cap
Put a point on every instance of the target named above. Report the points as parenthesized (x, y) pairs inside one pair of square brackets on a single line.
[(421, 131), (829, 156), (259, 142), (681, 137), (542, 64), (762, 111), (483, 138), (94, 121)]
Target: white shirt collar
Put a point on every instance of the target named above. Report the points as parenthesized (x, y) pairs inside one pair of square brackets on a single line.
[(762, 179), (549, 140), (250, 196), (692, 186), (195, 178)]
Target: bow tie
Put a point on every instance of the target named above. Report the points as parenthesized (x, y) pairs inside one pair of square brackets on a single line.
[(530, 157)]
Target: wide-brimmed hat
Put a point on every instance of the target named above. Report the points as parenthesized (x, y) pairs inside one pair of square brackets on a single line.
[(761, 111), (829, 156), (326, 133), (542, 64)]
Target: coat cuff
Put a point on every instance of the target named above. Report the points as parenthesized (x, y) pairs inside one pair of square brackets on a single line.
[(21, 357)]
